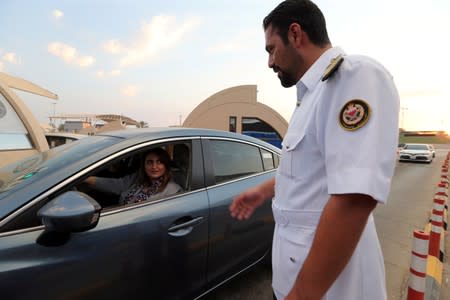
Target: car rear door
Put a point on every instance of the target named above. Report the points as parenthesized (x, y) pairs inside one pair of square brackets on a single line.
[(232, 167)]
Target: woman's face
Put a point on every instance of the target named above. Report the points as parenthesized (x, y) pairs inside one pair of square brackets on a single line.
[(154, 168)]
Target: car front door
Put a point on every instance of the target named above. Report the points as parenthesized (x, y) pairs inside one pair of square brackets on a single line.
[(129, 253), (155, 250)]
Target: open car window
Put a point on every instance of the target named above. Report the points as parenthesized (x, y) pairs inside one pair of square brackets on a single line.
[(122, 174), (180, 165)]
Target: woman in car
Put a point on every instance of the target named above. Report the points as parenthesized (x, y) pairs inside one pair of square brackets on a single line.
[(152, 181)]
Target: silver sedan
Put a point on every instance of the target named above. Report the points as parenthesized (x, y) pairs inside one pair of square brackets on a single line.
[(416, 152)]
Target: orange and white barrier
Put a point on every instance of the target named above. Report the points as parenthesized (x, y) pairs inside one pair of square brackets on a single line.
[(442, 189), (436, 228), (416, 285)]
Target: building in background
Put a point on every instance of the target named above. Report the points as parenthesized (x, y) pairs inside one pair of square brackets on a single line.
[(91, 124), (236, 109)]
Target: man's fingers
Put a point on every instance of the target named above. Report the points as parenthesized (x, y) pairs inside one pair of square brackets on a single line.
[(242, 207)]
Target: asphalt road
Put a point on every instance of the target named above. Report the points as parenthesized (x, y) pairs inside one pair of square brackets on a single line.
[(408, 208)]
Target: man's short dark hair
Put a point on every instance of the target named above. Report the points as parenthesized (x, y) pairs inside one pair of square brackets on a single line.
[(303, 12)]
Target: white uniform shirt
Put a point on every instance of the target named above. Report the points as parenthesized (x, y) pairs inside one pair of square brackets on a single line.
[(320, 158)]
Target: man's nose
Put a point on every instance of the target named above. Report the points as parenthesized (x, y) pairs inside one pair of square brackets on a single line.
[(270, 62)]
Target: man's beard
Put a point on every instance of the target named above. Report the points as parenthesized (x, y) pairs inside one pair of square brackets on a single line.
[(285, 78)]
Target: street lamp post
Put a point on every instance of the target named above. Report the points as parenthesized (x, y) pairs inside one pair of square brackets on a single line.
[(403, 116), (54, 113)]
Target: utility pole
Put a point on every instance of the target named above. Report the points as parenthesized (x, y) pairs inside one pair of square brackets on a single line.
[(54, 113), (403, 116), (179, 116)]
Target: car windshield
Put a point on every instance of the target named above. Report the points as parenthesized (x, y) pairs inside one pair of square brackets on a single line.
[(416, 147), (15, 175)]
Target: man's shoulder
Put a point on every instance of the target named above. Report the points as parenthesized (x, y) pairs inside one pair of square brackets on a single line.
[(358, 63)]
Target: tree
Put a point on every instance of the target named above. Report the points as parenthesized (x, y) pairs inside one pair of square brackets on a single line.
[(142, 124)]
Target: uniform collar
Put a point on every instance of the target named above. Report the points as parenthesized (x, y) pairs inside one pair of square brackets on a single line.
[(310, 79)]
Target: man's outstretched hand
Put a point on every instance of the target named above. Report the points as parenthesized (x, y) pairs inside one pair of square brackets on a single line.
[(245, 203)]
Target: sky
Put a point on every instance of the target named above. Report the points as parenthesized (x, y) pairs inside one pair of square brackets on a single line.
[(155, 61)]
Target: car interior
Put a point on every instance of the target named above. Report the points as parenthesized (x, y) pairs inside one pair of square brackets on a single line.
[(180, 155)]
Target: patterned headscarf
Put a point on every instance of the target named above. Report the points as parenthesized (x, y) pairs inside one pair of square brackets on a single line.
[(142, 192)]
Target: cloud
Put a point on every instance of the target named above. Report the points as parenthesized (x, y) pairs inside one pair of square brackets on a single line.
[(129, 91), (1, 66), (69, 55), (11, 58), (112, 73), (161, 33), (242, 40), (86, 61), (113, 47), (57, 14)]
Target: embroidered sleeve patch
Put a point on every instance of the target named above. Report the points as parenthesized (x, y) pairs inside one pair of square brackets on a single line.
[(354, 115)]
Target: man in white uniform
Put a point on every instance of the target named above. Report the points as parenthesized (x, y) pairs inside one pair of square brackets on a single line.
[(337, 162)]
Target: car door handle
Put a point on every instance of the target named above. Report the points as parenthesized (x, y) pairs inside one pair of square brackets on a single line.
[(184, 228)]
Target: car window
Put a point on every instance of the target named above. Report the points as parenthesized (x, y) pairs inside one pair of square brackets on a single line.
[(416, 147), (13, 134), (268, 160), (124, 166), (233, 160), (276, 160), (126, 177)]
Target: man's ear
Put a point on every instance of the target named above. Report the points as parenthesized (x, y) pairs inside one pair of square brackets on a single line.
[(295, 34)]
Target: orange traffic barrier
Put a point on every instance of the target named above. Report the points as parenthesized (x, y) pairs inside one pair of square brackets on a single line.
[(417, 274), (436, 228), (442, 189)]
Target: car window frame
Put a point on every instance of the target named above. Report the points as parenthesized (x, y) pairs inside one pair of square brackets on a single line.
[(208, 160), (31, 208)]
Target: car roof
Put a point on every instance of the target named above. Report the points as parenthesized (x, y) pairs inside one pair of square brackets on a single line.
[(172, 132), (166, 131)]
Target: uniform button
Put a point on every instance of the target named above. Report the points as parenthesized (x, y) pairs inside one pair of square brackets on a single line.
[(292, 259), (287, 147)]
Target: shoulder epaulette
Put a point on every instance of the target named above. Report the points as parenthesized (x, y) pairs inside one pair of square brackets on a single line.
[(332, 67)]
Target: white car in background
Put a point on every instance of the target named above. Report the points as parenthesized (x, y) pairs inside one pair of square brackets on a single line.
[(433, 150), (417, 152)]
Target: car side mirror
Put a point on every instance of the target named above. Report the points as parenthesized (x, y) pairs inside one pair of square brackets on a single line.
[(72, 211)]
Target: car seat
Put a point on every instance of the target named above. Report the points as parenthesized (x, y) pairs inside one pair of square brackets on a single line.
[(181, 165)]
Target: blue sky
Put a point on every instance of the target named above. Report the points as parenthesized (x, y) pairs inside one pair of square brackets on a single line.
[(157, 60)]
